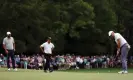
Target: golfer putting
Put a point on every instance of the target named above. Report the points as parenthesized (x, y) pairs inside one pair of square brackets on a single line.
[(122, 47)]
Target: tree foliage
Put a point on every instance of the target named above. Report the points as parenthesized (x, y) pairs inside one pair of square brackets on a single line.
[(76, 26)]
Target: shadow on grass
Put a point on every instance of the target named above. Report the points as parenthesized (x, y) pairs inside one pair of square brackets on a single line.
[(97, 70), (19, 70)]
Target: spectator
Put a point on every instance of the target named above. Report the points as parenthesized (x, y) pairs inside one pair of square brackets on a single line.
[(17, 60), (66, 62), (78, 61), (36, 62), (104, 62), (88, 66), (1, 60), (25, 62), (40, 62), (94, 62)]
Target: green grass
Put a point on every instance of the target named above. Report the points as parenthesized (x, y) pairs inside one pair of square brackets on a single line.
[(100, 70), (83, 74)]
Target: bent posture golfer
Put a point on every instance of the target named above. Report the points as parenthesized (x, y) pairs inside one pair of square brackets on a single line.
[(123, 47)]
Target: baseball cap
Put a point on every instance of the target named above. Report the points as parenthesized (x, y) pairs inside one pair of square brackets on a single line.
[(8, 33), (110, 32)]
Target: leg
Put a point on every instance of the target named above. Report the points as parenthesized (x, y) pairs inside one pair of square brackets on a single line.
[(8, 60), (49, 61), (13, 59), (46, 63), (26, 65), (124, 53), (36, 65)]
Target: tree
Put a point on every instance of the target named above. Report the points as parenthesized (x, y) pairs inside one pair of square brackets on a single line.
[(76, 26)]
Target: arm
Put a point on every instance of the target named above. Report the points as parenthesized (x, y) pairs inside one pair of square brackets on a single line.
[(13, 44), (118, 46), (52, 47), (42, 47), (4, 46)]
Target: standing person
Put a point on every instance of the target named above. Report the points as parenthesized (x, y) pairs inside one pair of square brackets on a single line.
[(9, 46), (36, 62), (47, 48), (122, 47)]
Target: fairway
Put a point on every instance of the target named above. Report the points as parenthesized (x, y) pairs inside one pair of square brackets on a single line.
[(61, 75)]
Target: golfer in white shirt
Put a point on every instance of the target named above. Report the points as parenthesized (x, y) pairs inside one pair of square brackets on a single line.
[(9, 46), (122, 47), (47, 48)]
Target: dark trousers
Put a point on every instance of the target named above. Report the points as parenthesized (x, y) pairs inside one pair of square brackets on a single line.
[(48, 63), (10, 55)]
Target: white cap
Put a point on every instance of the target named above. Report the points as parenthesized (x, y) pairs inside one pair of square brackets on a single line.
[(110, 32), (8, 33)]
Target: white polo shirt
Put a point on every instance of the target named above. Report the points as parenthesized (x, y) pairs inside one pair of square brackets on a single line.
[(47, 47), (8, 42), (122, 40)]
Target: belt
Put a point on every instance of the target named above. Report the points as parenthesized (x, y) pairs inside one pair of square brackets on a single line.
[(10, 49), (48, 53), (126, 44), (123, 45)]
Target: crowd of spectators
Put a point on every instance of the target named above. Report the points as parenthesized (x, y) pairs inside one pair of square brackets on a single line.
[(63, 62)]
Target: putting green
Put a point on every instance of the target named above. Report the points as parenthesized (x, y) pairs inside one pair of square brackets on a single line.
[(61, 75)]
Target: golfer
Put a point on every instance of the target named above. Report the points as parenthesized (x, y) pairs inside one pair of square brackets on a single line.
[(47, 48), (122, 47), (9, 46)]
